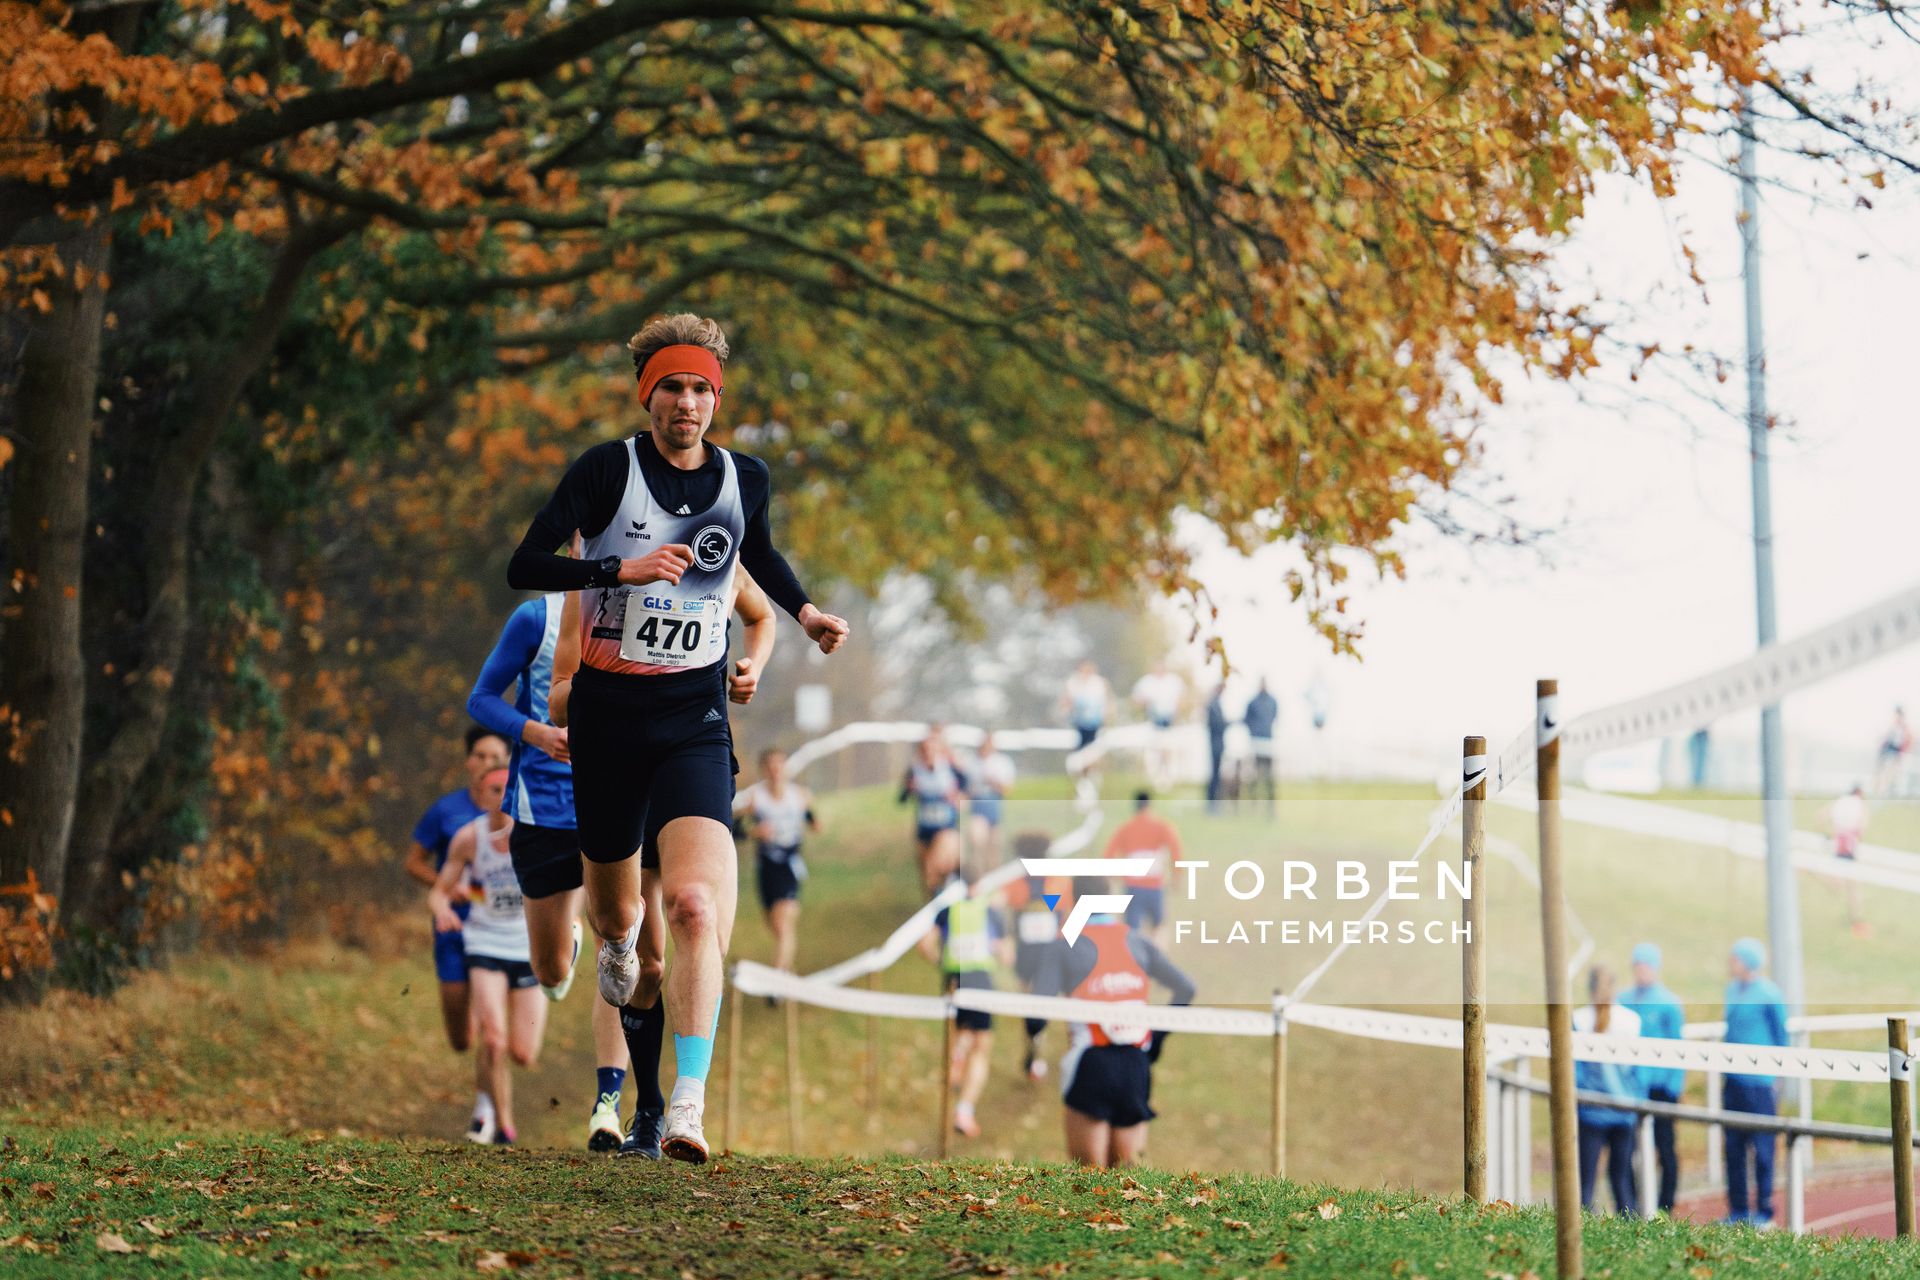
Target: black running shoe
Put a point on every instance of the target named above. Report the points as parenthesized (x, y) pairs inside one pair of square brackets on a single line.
[(643, 1134)]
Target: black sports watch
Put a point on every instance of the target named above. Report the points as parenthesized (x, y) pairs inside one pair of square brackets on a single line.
[(606, 571)]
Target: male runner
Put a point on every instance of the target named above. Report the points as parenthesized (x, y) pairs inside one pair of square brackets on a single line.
[(1086, 701), (665, 517), (1146, 834), (989, 779), (1158, 694), (934, 785), (486, 751), (641, 1022), (510, 1014), (1107, 1076), (544, 846), (967, 937), (781, 814), (1038, 904)]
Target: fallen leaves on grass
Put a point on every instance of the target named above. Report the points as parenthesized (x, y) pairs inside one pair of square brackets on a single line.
[(113, 1242), (1329, 1209)]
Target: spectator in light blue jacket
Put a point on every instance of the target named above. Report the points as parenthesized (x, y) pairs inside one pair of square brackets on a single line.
[(1661, 1018), (1604, 1128), (1756, 1014)]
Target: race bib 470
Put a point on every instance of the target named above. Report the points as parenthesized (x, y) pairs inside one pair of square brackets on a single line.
[(666, 632)]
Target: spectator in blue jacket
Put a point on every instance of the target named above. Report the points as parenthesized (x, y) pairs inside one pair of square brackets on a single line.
[(1756, 1014), (1661, 1018), (1604, 1128)]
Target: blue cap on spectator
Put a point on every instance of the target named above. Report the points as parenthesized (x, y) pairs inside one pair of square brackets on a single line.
[(1648, 954), (1749, 952)]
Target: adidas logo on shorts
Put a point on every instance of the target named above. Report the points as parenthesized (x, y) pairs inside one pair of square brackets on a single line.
[(713, 713)]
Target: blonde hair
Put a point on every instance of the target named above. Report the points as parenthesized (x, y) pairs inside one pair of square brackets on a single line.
[(684, 329)]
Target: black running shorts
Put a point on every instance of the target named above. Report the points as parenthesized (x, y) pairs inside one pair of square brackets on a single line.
[(971, 1019), (519, 972), (647, 750), (1111, 1082), (779, 877), (546, 859)]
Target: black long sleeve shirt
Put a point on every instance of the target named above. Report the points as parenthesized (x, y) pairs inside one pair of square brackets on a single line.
[(588, 498)]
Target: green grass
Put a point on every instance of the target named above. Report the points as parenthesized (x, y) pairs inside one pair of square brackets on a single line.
[(320, 1038), (84, 1200), (1894, 823)]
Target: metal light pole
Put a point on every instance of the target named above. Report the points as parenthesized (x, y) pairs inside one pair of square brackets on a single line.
[(1783, 903)]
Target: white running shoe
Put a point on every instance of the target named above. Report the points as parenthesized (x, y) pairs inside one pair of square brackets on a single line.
[(620, 970), (684, 1139), (603, 1129), (558, 992), (482, 1129)]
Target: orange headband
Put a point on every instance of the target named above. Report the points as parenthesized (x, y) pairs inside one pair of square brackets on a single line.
[(684, 358)]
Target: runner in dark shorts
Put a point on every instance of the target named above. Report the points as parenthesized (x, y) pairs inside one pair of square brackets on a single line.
[(968, 937), (486, 751), (1107, 1076), (779, 813), (664, 517)]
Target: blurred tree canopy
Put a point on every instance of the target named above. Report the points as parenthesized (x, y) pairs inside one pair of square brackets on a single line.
[(305, 305)]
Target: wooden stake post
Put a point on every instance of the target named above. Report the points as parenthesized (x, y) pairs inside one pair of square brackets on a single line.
[(793, 1074), (1900, 1082), (729, 1127), (1279, 1135), (945, 1091), (1553, 936), (873, 1056), (1473, 967)]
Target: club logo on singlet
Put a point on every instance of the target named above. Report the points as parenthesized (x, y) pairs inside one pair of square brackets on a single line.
[(711, 546)]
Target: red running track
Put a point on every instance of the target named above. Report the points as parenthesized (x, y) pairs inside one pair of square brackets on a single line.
[(1849, 1204)]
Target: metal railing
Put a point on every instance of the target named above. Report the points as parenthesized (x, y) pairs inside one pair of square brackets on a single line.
[(1510, 1144)]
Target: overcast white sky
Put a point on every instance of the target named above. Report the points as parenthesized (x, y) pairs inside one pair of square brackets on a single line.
[(1651, 578)]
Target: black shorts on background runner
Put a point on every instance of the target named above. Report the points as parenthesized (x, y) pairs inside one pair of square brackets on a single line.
[(1112, 1082), (647, 750), (777, 877), (546, 859)]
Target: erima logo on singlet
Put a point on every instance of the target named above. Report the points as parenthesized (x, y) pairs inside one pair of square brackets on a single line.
[(711, 546), (639, 530)]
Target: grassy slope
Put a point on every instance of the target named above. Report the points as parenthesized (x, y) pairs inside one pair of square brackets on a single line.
[(324, 1039), (82, 1202)]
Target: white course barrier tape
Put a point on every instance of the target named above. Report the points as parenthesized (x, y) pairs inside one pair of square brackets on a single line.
[(1443, 817), (1522, 862), (1766, 677), (1399, 1028), (1743, 839), (1156, 1017), (758, 980), (1814, 1024), (908, 935), (908, 732), (1503, 1038)]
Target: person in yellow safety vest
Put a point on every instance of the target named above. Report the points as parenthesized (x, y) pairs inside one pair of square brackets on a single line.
[(1107, 1076), (968, 938)]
